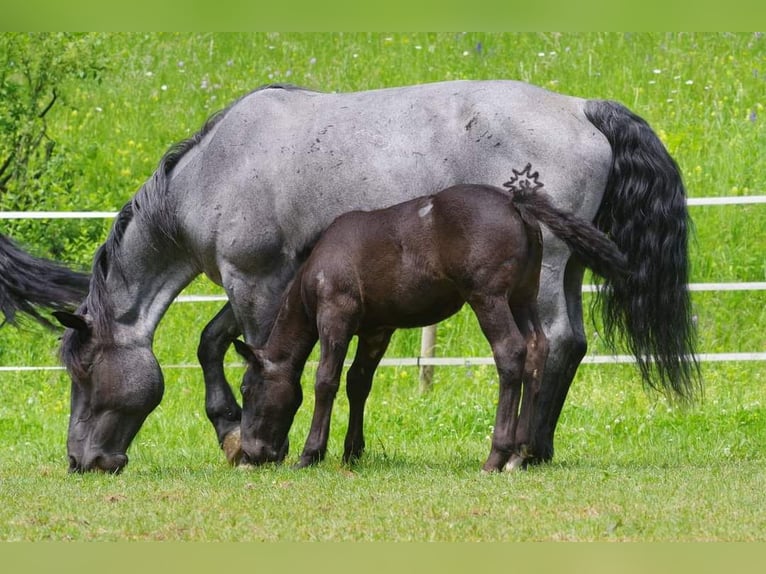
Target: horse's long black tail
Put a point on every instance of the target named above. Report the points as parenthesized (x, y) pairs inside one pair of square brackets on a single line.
[(30, 284), (644, 212)]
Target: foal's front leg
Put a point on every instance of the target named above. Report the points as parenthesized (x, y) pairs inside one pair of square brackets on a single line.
[(334, 338), (369, 352), (509, 350)]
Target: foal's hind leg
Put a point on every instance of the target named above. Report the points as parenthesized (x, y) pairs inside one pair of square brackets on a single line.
[(528, 320), (221, 406), (369, 352), (509, 350)]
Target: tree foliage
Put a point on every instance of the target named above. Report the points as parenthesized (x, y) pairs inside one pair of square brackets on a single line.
[(36, 70)]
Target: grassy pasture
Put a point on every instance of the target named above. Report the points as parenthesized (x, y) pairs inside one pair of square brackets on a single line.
[(628, 465)]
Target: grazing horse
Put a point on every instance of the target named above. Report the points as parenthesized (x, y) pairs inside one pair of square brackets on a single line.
[(244, 199), (30, 284), (412, 265)]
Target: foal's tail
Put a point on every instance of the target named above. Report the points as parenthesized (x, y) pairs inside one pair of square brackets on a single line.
[(30, 284), (592, 247), (644, 212)]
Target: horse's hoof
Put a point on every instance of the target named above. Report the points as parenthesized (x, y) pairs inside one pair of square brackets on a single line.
[(232, 447)]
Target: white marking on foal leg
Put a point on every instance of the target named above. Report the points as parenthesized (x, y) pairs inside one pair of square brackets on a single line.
[(514, 463)]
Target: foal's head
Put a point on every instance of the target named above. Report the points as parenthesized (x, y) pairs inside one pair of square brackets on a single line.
[(270, 400)]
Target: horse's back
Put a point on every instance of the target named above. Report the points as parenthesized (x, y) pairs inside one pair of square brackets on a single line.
[(283, 163)]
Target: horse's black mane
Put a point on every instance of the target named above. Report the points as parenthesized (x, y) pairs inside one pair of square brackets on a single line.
[(152, 209)]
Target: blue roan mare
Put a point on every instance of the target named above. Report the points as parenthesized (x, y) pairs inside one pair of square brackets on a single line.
[(244, 200), (411, 265)]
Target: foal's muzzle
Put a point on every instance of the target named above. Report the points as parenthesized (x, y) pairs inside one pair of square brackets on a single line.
[(261, 453)]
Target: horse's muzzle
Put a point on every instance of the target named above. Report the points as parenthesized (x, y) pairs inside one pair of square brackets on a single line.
[(108, 463)]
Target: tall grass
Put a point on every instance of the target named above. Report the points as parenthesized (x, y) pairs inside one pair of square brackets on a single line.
[(628, 466)]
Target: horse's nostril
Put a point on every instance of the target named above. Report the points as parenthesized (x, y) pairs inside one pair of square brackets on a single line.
[(73, 465)]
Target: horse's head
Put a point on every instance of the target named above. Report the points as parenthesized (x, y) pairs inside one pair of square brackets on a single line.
[(269, 403), (114, 388)]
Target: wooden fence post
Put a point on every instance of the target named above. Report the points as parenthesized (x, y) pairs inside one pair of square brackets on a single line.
[(427, 345)]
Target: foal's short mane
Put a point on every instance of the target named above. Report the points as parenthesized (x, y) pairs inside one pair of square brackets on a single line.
[(154, 211)]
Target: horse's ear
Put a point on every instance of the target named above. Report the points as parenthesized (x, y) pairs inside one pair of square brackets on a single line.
[(79, 323)]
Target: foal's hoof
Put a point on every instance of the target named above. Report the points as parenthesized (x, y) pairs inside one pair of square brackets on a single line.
[(232, 447)]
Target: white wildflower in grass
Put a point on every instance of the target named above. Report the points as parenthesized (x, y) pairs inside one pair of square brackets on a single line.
[(312, 61), (656, 71), (689, 82), (149, 74), (164, 88)]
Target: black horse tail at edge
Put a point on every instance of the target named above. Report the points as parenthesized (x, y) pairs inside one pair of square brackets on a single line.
[(31, 285), (644, 212)]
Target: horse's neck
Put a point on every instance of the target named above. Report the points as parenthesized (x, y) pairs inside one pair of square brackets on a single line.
[(294, 333), (143, 283)]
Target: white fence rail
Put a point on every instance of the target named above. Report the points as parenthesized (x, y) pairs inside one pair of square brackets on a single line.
[(443, 361)]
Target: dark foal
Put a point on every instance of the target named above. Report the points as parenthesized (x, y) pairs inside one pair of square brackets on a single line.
[(411, 265)]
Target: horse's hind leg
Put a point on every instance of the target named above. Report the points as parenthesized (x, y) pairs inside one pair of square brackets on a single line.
[(509, 351), (561, 312), (221, 406), (369, 352)]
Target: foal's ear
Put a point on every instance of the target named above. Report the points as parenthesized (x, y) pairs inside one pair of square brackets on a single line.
[(80, 323)]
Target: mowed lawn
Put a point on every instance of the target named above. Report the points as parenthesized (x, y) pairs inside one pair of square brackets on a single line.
[(629, 465)]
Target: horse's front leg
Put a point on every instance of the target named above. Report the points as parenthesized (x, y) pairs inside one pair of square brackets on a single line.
[(369, 352), (221, 406), (509, 351), (334, 336), (254, 300)]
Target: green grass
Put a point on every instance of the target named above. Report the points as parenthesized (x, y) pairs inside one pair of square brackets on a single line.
[(628, 465)]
